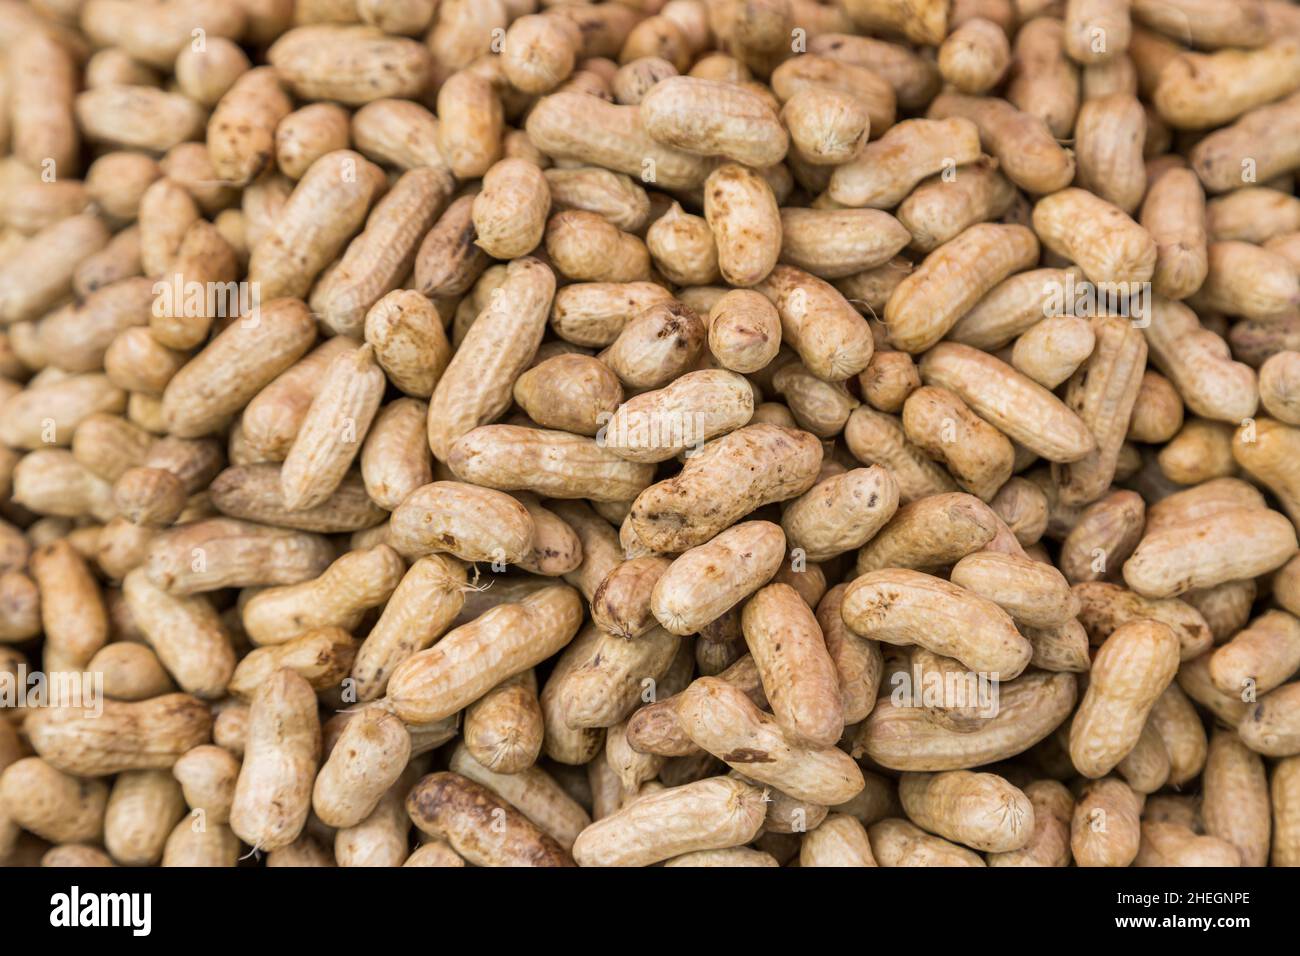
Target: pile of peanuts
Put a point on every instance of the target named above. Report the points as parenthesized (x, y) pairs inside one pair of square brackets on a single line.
[(699, 432)]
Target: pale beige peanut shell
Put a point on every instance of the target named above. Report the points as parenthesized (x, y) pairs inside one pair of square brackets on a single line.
[(1052, 350), (510, 211), (1106, 533), (705, 582), (1105, 830), (1157, 412), (1203, 90), (1023, 145), (551, 464), (186, 633), (1279, 386), (711, 118), (605, 686), (819, 324), (1131, 670), (476, 386), (1199, 364), (273, 794), (504, 641), (366, 760), (682, 247), (356, 582), (307, 134), (462, 812), (146, 735), (896, 842), (425, 602), (716, 813), (350, 64), (1170, 844), (333, 429), (696, 407), (395, 459), (1102, 393), (51, 804), (978, 456), (1109, 135), (271, 419), (1099, 236), (943, 206), (906, 738), (326, 208), (744, 331), (213, 553), (378, 259), (320, 655), (931, 532), (534, 792), (576, 127), (940, 616), (143, 807), (1272, 725), (1284, 791), (234, 366), (1261, 656), (1226, 546), (979, 810), (656, 346), (1235, 804), (836, 243), (1049, 843), (73, 615), (727, 479), (1009, 401), (1014, 306), (138, 117), (875, 437), (742, 213), (242, 129), (827, 126), (1035, 594), (841, 513), (1175, 216), (410, 343), (721, 719), (207, 775), (131, 671), (886, 171), (473, 523), (799, 677), (503, 728)]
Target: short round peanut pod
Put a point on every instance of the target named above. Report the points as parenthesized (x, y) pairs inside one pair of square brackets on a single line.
[(367, 759), (682, 247), (538, 52), (744, 331), (828, 127), (510, 211), (975, 56)]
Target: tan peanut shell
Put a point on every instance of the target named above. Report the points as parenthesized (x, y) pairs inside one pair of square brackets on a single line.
[(1131, 670), (671, 515), (906, 738), (709, 814), (502, 642), (938, 615), (476, 386), (273, 794), (147, 735), (462, 812), (721, 719)]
